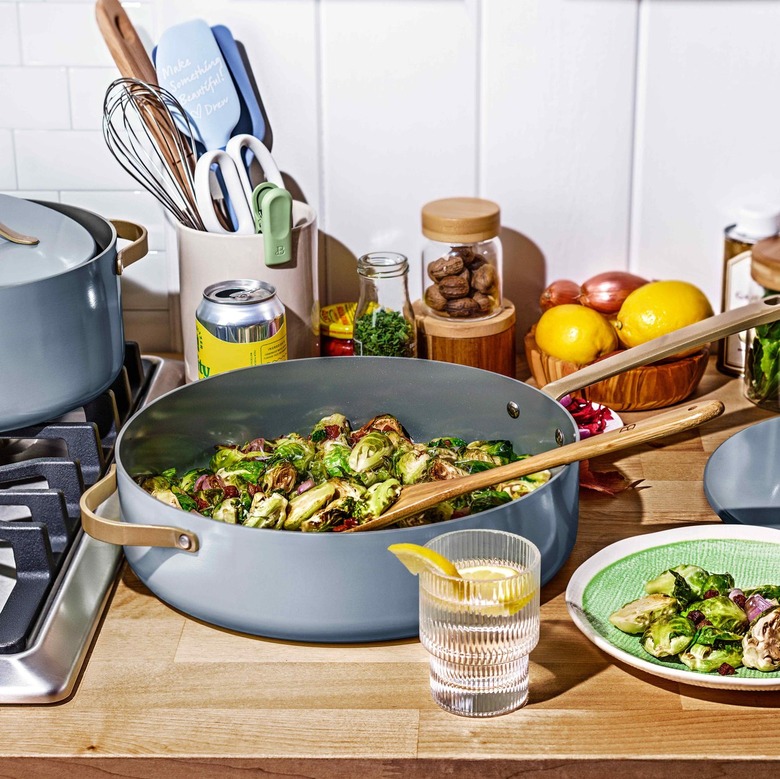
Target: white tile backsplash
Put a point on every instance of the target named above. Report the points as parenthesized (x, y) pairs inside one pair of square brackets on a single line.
[(7, 161), (34, 98), (60, 159), (87, 90), (10, 42), (614, 135)]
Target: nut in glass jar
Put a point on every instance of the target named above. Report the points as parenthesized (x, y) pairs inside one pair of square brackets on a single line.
[(462, 264)]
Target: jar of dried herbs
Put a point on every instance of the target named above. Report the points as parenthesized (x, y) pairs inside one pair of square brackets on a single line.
[(384, 319), (462, 263), (762, 357)]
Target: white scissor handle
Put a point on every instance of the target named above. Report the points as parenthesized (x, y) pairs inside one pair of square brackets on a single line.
[(235, 148), (236, 192)]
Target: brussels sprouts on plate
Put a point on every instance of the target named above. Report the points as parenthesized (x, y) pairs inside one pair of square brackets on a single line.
[(704, 621)]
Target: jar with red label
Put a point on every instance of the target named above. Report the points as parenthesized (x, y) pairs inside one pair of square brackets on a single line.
[(336, 322)]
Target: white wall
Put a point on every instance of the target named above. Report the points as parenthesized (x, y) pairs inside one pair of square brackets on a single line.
[(615, 134)]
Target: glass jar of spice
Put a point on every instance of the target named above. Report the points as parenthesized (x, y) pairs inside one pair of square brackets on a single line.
[(384, 319), (462, 264), (762, 357)]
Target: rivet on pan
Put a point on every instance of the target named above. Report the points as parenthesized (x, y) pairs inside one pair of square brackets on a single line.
[(184, 541), (559, 439), (513, 409)]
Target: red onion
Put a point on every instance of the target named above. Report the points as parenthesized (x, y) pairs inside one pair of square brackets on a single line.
[(304, 485), (606, 292), (756, 605), (559, 292)]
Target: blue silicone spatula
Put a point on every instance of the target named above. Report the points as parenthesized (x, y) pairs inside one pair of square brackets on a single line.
[(190, 65), (252, 120)]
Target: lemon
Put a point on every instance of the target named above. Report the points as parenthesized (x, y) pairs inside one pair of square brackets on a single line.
[(503, 598), (575, 333), (500, 590), (658, 308), (417, 558)]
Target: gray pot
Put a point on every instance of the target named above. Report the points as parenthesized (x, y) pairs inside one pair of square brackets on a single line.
[(61, 333), (338, 587)]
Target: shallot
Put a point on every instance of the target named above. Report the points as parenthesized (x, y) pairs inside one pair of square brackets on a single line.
[(606, 292), (559, 292)]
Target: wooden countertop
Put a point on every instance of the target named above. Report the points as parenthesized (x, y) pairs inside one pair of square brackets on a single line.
[(190, 699)]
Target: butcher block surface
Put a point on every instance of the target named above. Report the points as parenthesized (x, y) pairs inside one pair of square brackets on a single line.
[(165, 695)]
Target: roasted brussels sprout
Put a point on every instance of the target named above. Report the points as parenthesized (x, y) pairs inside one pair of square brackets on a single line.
[(268, 511), (226, 457), (227, 511), (304, 505), (666, 582), (711, 648), (334, 457), (412, 465), (722, 583), (378, 498), (497, 452), (369, 452), (294, 449), (335, 427), (761, 644), (636, 616), (331, 515), (769, 591), (721, 612), (669, 636), (281, 477)]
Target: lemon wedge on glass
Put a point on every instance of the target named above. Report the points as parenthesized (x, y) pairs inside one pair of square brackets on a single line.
[(417, 558), (487, 588)]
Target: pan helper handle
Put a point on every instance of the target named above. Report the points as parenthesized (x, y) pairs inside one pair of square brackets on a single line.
[(221, 162)]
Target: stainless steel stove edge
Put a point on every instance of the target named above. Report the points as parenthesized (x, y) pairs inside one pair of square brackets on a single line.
[(47, 671)]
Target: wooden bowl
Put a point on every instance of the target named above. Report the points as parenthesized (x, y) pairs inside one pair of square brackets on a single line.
[(639, 389)]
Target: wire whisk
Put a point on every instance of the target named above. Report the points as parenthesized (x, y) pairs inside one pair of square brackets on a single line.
[(148, 132)]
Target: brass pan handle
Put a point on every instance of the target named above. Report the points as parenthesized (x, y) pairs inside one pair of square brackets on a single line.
[(130, 231), (127, 533)]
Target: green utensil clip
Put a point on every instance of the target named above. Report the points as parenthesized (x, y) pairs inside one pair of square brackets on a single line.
[(272, 212)]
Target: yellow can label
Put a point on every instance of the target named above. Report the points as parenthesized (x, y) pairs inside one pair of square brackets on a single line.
[(215, 356)]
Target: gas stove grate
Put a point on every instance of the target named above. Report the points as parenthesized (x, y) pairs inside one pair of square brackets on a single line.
[(43, 472)]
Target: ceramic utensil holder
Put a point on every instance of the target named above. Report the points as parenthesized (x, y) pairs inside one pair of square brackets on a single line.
[(206, 258)]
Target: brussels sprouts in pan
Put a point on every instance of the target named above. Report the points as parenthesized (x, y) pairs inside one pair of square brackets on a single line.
[(270, 511), (636, 616), (669, 636), (334, 478)]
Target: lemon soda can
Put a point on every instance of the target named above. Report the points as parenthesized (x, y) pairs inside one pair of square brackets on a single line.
[(239, 323)]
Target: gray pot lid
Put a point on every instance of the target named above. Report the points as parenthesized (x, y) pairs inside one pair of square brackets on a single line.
[(62, 242)]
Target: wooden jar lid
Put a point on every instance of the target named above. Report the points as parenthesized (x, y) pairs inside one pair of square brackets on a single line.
[(461, 220), (765, 263), (468, 328)]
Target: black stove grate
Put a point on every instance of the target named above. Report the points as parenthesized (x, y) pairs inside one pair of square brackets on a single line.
[(43, 472)]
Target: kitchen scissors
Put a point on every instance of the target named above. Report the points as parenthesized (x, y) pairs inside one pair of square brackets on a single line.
[(233, 184)]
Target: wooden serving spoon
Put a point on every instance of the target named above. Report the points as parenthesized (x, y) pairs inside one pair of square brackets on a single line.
[(418, 497)]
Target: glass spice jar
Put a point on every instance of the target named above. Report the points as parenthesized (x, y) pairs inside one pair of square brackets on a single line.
[(762, 356), (462, 264), (336, 324), (384, 319)]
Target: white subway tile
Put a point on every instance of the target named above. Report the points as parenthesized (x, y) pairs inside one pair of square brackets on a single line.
[(34, 98), (145, 285), (87, 91), (61, 34), (67, 159), (7, 161), (10, 50), (35, 194), (137, 206)]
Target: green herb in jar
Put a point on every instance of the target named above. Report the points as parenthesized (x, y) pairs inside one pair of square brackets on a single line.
[(384, 333), (763, 365)]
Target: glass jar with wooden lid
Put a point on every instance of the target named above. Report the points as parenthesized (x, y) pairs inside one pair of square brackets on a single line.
[(462, 263)]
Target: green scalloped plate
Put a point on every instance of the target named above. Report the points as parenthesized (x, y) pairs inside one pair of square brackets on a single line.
[(616, 575)]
